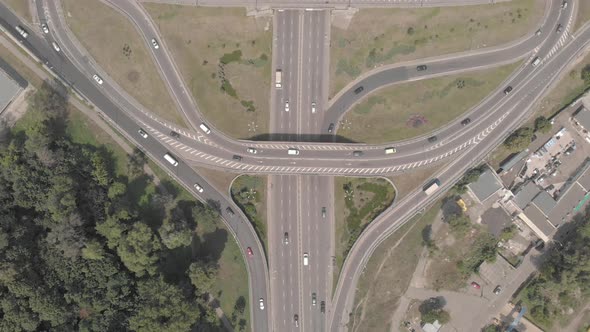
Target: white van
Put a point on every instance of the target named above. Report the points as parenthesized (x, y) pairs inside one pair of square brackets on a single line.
[(205, 128), (536, 61), (171, 159), (390, 150), (293, 152), (305, 259)]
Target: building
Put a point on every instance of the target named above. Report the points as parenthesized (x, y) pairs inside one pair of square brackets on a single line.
[(11, 84), (581, 119), (431, 327), (507, 165), (486, 186)]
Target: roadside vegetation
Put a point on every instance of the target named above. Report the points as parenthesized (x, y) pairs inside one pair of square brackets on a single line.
[(385, 36), (357, 202), (388, 274), (117, 47), (249, 193), (583, 15), (560, 289), (225, 58), (113, 250), (415, 108)]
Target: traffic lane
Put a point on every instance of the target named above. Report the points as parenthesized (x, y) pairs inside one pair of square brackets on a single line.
[(381, 228)]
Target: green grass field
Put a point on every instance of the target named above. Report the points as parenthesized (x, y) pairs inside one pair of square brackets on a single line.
[(249, 192), (416, 108)]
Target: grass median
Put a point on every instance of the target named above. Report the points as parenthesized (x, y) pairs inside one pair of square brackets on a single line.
[(117, 47), (357, 202), (383, 36), (388, 274), (225, 58), (416, 108), (249, 193)]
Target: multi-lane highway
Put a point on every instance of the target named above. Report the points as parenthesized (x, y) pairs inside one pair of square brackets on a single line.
[(491, 121)]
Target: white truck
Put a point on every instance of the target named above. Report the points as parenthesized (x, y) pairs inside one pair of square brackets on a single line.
[(278, 79), (432, 187)]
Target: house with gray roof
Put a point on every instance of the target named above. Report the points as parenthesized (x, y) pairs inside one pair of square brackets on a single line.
[(486, 185)]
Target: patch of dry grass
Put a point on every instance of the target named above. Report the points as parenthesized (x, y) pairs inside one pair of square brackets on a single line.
[(117, 47), (199, 38), (385, 36), (20, 7)]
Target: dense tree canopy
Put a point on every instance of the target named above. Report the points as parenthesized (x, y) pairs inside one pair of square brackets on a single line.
[(75, 255)]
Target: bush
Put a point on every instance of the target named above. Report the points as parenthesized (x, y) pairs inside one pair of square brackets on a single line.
[(520, 139), (585, 74), (231, 57), (542, 125)]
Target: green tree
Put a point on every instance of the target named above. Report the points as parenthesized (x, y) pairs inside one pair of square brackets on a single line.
[(162, 308), (431, 310), (585, 74), (175, 233), (138, 250), (93, 250), (459, 224), (112, 229), (508, 232), (202, 276), (101, 173), (542, 125), (520, 139)]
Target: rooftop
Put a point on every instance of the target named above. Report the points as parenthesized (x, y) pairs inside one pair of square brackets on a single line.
[(526, 194), (582, 116), (544, 202), (539, 219), (487, 184), (508, 164)]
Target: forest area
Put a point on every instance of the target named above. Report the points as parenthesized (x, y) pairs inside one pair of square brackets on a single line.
[(79, 250)]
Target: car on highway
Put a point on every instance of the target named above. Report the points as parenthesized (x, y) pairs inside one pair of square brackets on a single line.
[(55, 46), (331, 128), (198, 187), (45, 28), (359, 90), (21, 31), (323, 212), (432, 139), (229, 211), (536, 61), (236, 157), (97, 79), (507, 90), (313, 299), (466, 121), (323, 307), (174, 134), (205, 128), (142, 133), (293, 152), (538, 32), (261, 303), (251, 150), (313, 107), (155, 44), (357, 153), (421, 68), (564, 5), (287, 106), (296, 320), (475, 285), (286, 238), (559, 28), (498, 289), (249, 251), (305, 259), (390, 150)]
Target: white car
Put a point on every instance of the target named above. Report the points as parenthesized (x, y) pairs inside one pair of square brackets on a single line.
[(55, 46), (142, 133), (305, 259), (155, 44), (198, 187), (252, 150), (97, 79), (313, 107), (261, 304), (45, 28), (287, 106)]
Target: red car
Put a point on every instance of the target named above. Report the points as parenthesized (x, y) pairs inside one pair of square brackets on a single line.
[(249, 250), (475, 285)]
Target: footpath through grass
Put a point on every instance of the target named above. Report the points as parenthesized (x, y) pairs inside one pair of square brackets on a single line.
[(117, 47), (416, 108), (357, 202), (225, 58), (249, 193), (388, 274), (384, 36)]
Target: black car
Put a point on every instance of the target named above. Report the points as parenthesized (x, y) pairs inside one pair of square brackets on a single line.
[(331, 128), (466, 121), (323, 306), (507, 90), (359, 90), (432, 139), (174, 134), (229, 211), (421, 68), (236, 157)]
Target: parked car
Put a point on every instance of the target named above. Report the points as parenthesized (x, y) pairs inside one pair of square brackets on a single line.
[(475, 285), (497, 290)]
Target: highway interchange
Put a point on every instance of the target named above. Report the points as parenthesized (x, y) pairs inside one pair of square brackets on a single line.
[(300, 48)]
